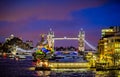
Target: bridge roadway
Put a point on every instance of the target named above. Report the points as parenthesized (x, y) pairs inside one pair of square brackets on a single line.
[(65, 38)]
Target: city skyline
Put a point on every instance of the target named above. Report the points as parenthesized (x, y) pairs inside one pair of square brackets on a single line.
[(29, 19)]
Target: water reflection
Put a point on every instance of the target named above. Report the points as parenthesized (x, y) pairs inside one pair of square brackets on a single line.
[(43, 73), (26, 68), (113, 73), (79, 73), (40, 73)]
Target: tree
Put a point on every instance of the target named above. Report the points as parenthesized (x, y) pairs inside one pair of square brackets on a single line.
[(14, 42), (1, 47)]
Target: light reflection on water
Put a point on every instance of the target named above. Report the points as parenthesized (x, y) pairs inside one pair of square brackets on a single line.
[(25, 68)]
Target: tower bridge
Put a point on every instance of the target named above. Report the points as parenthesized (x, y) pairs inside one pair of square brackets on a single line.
[(81, 40)]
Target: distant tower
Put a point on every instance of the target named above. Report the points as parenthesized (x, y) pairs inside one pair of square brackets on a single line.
[(81, 38), (50, 38), (42, 38), (11, 36)]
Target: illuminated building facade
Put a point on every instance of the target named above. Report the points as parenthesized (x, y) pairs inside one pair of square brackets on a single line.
[(109, 44)]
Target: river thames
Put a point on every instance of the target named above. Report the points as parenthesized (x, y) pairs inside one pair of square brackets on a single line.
[(26, 68)]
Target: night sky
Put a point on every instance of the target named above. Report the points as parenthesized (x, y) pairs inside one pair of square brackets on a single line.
[(29, 18)]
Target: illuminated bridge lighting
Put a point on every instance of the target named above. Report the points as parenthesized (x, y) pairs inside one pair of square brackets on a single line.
[(65, 38)]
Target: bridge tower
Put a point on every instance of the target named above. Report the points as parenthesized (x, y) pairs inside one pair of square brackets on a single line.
[(81, 38), (50, 38)]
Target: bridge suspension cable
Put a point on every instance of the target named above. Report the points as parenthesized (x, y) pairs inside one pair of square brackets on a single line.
[(91, 46)]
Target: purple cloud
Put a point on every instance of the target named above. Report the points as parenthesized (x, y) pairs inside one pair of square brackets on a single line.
[(44, 10)]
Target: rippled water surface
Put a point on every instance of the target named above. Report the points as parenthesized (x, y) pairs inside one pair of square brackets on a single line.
[(25, 68)]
